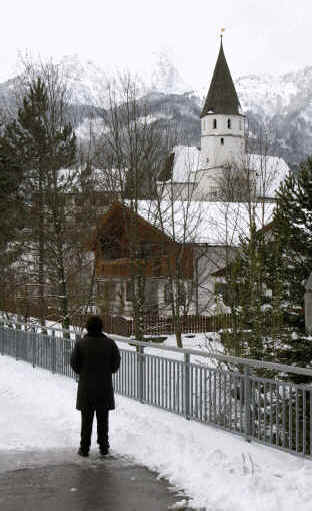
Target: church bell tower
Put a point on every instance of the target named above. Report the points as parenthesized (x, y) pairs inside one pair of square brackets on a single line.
[(222, 125)]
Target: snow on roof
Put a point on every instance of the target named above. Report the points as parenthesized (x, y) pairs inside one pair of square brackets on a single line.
[(186, 163), (270, 171), (110, 179), (215, 223)]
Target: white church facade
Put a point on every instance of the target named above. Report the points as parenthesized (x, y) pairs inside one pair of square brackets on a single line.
[(198, 173)]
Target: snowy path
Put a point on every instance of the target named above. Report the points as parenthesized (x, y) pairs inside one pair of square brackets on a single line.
[(58, 479), (219, 471)]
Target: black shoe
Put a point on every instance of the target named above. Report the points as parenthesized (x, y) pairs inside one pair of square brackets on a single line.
[(103, 451), (83, 453)]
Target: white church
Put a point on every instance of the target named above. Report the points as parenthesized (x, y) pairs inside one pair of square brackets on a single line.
[(212, 222), (198, 214), (199, 172)]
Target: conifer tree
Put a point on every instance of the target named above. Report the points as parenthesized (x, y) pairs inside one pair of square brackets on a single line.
[(281, 262), (256, 311), (292, 227), (37, 147)]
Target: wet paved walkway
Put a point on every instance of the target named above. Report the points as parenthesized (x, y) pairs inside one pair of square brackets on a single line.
[(60, 480)]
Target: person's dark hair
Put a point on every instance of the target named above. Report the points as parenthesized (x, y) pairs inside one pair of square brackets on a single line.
[(94, 324)]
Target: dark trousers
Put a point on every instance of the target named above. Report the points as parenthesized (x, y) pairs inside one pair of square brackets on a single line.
[(87, 415)]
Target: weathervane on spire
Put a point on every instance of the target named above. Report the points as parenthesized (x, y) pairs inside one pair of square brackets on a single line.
[(222, 31)]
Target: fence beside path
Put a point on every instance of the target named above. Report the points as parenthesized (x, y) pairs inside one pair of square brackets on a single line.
[(190, 383), (153, 324)]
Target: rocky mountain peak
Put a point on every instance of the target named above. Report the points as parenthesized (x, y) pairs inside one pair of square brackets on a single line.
[(166, 77)]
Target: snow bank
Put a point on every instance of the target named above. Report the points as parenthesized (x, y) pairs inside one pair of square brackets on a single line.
[(219, 471)]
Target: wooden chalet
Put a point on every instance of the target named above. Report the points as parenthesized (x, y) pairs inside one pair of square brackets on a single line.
[(126, 247)]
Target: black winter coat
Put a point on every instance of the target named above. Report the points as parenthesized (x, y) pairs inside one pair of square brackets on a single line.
[(95, 358)]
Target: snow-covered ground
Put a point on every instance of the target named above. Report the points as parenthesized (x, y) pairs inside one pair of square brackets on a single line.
[(220, 472), (207, 343)]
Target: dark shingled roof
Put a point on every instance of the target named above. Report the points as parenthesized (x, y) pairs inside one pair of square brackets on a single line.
[(221, 97), (166, 172)]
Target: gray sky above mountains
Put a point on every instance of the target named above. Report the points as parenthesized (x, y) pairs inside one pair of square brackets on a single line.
[(267, 36)]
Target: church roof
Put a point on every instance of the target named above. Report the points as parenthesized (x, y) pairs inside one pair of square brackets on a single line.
[(221, 97), (183, 165), (118, 223), (270, 171), (214, 223)]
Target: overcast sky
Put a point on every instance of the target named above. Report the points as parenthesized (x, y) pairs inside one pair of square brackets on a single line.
[(272, 36)]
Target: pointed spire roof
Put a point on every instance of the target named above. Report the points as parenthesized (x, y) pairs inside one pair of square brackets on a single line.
[(221, 97)]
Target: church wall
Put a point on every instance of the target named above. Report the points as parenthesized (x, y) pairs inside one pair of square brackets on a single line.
[(236, 124), (177, 191), (221, 144)]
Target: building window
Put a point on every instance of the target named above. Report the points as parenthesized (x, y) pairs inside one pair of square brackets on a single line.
[(214, 123), (156, 266), (168, 296), (222, 141), (213, 193), (223, 291), (129, 291), (229, 123), (180, 293), (106, 289)]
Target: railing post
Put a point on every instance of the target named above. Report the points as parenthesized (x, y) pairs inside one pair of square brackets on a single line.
[(187, 385), (27, 344), (141, 369), (2, 337), (53, 346), (34, 339), (247, 403), (16, 345)]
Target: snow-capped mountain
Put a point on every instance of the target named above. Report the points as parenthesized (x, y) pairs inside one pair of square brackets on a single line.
[(282, 103), (166, 78), (275, 95), (86, 80), (89, 81)]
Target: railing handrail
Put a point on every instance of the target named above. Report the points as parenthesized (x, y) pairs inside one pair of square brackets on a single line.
[(258, 364), (247, 362)]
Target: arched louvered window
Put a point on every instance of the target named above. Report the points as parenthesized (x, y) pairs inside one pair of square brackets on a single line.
[(222, 141), (214, 123)]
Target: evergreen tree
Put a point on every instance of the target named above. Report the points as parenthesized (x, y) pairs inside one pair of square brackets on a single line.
[(272, 327), (254, 298), (281, 263), (36, 148), (292, 227)]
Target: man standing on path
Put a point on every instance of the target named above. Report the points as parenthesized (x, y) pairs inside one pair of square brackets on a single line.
[(95, 358)]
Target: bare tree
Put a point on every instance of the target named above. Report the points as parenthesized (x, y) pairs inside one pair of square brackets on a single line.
[(178, 215), (126, 154), (55, 253)]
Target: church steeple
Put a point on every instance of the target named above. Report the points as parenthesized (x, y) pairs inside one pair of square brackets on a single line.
[(221, 97)]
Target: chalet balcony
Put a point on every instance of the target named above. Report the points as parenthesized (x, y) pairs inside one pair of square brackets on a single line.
[(160, 266)]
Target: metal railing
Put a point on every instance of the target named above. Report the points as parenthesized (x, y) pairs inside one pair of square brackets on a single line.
[(190, 383)]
